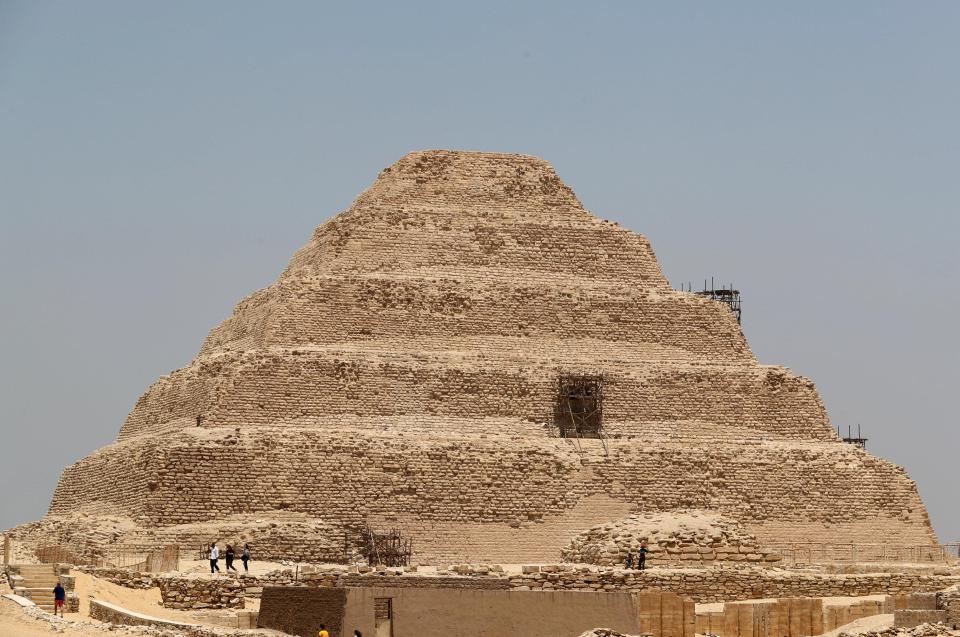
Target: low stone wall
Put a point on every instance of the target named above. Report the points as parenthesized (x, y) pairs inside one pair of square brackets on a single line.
[(913, 618), (460, 583), (72, 604), (121, 577), (914, 601), (702, 585), (198, 593), (106, 612), (949, 600), (729, 584)]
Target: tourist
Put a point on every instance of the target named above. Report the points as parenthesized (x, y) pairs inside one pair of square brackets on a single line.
[(59, 598), (323, 631), (230, 556), (245, 557), (214, 558), (628, 563), (642, 557), (357, 633)]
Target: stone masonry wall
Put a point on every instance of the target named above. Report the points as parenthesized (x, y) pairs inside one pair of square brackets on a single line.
[(729, 584), (308, 388), (702, 585), (949, 601), (686, 538), (402, 370), (200, 593), (492, 485), (300, 611)]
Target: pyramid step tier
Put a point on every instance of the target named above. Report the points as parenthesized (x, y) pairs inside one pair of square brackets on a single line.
[(324, 309), (304, 387), (203, 474)]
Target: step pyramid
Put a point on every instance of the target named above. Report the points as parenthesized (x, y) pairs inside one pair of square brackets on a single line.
[(412, 369)]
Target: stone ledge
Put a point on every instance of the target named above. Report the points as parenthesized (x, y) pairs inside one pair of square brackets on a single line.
[(19, 599), (913, 618), (111, 613)]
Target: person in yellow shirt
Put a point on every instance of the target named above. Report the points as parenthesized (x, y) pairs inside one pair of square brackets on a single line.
[(323, 631)]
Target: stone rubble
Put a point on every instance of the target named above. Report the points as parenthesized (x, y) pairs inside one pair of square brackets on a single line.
[(680, 537)]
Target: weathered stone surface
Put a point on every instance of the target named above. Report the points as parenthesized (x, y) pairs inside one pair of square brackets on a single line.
[(671, 538), (402, 372)]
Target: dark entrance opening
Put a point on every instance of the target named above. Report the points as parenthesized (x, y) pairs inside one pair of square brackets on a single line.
[(578, 412)]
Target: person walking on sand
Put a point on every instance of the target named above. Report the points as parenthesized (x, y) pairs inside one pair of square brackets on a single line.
[(59, 598), (642, 557), (214, 558), (230, 556), (245, 558)]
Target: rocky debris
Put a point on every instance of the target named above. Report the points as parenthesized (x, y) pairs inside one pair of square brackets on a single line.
[(923, 630), (678, 537), (59, 624)]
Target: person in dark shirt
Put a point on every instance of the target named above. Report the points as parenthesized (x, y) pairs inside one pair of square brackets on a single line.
[(628, 563), (59, 598), (230, 556), (245, 558), (642, 557)]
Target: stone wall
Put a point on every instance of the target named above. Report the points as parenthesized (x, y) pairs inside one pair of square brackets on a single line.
[(122, 577), (430, 487), (788, 617), (949, 601), (300, 611), (408, 359), (113, 614), (688, 538), (308, 387), (913, 618), (110, 613), (200, 593), (702, 584), (729, 584)]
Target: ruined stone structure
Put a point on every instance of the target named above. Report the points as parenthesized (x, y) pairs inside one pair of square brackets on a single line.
[(685, 538), (403, 372)]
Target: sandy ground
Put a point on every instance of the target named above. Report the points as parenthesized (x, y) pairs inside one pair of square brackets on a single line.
[(14, 623), (146, 602), (256, 567), (865, 625)]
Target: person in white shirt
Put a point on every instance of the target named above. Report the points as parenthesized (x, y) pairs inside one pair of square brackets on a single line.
[(214, 558)]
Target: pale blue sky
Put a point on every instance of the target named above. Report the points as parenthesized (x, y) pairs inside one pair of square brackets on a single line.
[(159, 161)]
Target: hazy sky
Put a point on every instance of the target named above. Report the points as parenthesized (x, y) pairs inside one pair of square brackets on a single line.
[(159, 161)]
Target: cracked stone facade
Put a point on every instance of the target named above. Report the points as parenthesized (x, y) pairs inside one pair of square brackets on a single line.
[(402, 372)]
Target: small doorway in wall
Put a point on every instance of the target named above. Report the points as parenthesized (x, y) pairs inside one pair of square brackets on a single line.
[(578, 411), (383, 616)]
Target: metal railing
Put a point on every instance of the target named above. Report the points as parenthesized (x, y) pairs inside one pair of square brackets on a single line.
[(116, 557), (820, 553)]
